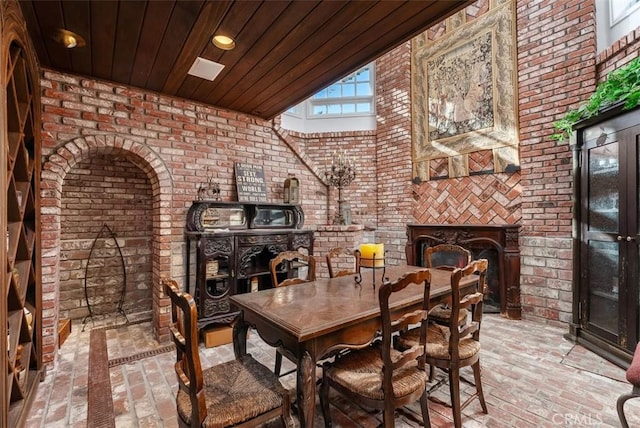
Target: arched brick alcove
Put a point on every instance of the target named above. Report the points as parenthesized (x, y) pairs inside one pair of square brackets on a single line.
[(54, 170)]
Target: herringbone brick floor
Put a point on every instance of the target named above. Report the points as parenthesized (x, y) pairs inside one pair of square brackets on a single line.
[(532, 377)]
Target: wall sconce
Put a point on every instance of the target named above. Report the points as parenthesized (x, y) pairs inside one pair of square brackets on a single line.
[(292, 190)]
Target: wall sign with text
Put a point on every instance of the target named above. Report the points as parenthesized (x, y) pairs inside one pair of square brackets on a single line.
[(250, 183)]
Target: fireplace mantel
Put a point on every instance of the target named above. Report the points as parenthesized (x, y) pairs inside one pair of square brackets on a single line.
[(499, 242)]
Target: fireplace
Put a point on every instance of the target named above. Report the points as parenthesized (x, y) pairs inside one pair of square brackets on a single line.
[(496, 243), (106, 241)]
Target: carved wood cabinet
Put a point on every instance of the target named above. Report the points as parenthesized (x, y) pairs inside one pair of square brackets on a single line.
[(233, 243), (496, 243)]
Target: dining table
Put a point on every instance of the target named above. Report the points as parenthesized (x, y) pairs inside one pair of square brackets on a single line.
[(313, 320)]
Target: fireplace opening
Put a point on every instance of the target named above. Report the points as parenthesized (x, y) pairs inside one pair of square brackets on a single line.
[(106, 190)]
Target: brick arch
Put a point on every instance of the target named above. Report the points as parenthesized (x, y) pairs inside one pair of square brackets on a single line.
[(54, 170)]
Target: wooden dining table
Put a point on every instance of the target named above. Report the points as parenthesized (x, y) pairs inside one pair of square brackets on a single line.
[(312, 320)]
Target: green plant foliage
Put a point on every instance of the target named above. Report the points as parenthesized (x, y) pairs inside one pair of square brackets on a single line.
[(621, 85)]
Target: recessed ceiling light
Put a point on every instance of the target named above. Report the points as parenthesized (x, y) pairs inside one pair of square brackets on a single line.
[(68, 39), (205, 68), (223, 42)]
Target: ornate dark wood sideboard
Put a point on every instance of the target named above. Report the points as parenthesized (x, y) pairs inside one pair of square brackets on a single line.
[(497, 243), (234, 243)]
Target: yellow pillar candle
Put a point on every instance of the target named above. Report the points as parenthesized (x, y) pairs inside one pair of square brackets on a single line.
[(367, 252)]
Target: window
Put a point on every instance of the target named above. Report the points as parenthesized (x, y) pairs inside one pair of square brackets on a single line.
[(351, 95), (346, 105), (615, 19)]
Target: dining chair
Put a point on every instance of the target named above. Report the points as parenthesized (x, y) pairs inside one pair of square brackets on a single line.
[(446, 256), (288, 262), (343, 261), (454, 346), (284, 263), (449, 257), (379, 375), (633, 377), (240, 392)]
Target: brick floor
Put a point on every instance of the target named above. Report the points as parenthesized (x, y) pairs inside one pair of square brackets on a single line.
[(532, 377)]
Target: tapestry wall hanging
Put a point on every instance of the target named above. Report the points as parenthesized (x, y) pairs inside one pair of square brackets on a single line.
[(464, 94)]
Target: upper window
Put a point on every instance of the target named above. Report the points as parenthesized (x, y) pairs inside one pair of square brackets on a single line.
[(346, 105), (353, 94), (615, 19)]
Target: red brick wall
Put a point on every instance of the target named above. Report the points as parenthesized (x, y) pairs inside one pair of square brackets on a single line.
[(393, 151), (619, 54), (556, 72), (328, 237), (172, 143), (97, 192), (361, 148)]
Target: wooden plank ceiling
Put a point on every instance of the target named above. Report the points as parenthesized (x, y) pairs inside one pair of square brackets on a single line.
[(285, 50)]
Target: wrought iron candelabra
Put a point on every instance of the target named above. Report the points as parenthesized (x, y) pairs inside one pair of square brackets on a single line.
[(340, 175)]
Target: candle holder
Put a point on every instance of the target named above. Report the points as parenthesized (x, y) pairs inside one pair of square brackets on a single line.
[(374, 263), (340, 175)]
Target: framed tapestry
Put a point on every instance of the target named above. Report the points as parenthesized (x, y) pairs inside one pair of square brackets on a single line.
[(464, 94)]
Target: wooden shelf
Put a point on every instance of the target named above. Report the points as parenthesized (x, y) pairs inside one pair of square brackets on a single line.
[(22, 286)]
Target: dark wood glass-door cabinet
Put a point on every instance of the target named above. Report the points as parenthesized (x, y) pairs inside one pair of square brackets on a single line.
[(607, 234), (20, 160)]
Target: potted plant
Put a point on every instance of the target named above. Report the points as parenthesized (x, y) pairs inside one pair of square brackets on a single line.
[(621, 86)]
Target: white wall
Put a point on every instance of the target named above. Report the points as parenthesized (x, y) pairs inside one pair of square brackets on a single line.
[(609, 28)]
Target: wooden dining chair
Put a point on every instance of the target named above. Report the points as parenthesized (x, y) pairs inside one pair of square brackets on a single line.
[(285, 263), (292, 262), (240, 392), (343, 261), (454, 346), (446, 256), (449, 257), (379, 375)]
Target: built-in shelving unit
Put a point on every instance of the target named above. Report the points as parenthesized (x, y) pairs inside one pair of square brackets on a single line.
[(22, 351)]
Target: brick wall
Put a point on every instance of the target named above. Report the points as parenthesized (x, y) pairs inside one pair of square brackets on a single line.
[(172, 143), (361, 148), (556, 72), (393, 151), (98, 192), (328, 237)]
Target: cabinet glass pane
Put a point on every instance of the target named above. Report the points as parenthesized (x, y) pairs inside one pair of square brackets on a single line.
[(603, 296), (603, 194), (273, 217), (222, 217)]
